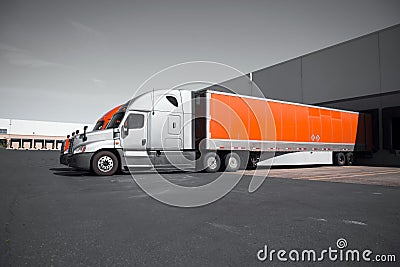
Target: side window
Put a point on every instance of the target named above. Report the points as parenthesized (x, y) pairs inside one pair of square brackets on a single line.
[(172, 100), (135, 121)]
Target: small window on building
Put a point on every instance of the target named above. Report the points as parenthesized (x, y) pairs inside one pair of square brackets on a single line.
[(172, 100), (3, 131)]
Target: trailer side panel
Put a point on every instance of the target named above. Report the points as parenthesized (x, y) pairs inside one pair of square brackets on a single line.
[(262, 124)]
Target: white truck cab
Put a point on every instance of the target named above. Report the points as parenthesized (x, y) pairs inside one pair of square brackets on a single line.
[(153, 131)]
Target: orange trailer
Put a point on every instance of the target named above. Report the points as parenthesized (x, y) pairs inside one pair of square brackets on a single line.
[(256, 125)]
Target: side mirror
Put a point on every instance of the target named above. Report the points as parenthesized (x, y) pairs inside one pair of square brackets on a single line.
[(125, 127), (84, 133)]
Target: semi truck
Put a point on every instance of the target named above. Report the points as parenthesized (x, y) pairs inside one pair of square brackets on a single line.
[(212, 130), (100, 125)]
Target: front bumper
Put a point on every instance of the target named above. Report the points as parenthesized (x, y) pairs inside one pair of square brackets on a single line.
[(80, 161)]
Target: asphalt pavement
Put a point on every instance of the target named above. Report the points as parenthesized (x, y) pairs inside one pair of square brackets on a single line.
[(53, 216)]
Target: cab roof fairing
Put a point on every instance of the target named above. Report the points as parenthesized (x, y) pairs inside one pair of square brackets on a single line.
[(156, 101)]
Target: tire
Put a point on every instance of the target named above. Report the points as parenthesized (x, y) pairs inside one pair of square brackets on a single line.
[(104, 163), (350, 158), (340, 159), (232, 162), (211, 162)]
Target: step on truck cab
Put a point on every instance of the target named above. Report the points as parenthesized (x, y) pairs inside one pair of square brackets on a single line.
[(211, 130)]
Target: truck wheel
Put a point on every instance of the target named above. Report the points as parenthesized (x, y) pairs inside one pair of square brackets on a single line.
[(349, 158), (104, 163), (211, 162), (232, 162), (340, 159)]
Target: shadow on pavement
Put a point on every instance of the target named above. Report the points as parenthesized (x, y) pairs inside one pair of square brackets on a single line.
[(70, 172), (61, 169)]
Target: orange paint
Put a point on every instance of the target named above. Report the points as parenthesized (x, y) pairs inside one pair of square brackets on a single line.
[(239, 118), (66, 144), (107, 117)]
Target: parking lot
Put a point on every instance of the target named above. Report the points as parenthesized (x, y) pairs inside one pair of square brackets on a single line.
[(52, 215)]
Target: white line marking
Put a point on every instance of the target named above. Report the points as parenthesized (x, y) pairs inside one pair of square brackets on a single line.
[(349, 175), (146, 195), (354, 222), (230, 229), (318, 219)]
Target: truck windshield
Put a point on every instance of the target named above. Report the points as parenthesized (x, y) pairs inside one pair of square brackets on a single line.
[(98, 126), (115, 120)]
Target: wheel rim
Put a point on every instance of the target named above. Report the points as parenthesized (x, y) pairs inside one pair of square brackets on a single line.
[(105, 163), (233, 163), (212, 162), (341, 159)]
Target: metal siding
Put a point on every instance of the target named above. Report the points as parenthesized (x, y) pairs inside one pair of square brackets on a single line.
[(240, 85), (282, 82), (347, 70), (357, 105), (390, 100), (389, 42)]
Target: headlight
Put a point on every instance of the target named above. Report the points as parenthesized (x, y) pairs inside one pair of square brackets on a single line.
[(79, 149)]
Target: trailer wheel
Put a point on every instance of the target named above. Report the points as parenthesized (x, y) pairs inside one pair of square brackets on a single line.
[(104, 163), (232, 162), (349, 158), (340, 159), (211, 162)]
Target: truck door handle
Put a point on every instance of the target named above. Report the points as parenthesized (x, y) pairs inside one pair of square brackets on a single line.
[(143, 142)]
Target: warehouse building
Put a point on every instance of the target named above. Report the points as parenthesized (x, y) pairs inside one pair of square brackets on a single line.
[(35, 135), (361, 75)]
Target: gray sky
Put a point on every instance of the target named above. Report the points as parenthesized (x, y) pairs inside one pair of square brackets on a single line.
[(73, 60)]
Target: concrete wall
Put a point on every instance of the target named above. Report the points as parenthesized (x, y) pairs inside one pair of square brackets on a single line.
[(286, 77), (363, 67), (345, 71), (389, 44)]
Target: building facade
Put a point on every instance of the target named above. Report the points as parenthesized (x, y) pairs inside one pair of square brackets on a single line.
[(35, 135)]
